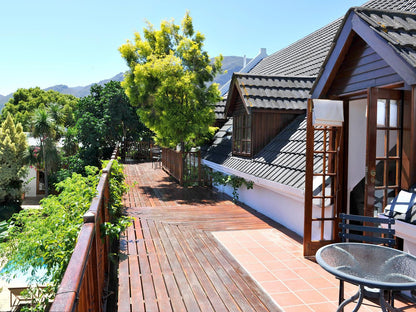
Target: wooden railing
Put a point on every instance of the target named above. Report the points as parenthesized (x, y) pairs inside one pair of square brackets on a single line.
[(185, 167), (85, 279)]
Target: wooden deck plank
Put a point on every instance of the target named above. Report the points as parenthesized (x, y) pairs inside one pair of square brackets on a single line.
[(173, 256), (221, 270), (243, 281), (171, 285), (159, 283), (137, 302), (146, 277), (207, 275), (184, 287), (188, 269), (123, 280)]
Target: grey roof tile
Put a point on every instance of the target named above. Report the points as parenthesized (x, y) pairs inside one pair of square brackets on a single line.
[(274, 92), (397, 28)]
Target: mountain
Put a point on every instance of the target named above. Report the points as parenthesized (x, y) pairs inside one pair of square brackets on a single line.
[(82, 91), (230, 64)]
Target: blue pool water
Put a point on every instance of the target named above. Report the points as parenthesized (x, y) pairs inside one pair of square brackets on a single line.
[(14, 275)]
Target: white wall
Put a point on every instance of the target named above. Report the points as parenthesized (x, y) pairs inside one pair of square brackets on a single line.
[(279, 202), (30, 188), (357, 136)]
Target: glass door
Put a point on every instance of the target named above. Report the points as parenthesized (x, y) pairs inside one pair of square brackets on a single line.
[(383, 157)]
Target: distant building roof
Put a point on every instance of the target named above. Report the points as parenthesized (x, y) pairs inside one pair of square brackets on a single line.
[(246, 69), (272, 92)]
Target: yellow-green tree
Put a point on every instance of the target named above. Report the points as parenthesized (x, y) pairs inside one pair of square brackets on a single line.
[(13, 145), (169, 80)]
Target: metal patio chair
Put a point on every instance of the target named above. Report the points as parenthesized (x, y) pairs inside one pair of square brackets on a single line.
[(363, 229)]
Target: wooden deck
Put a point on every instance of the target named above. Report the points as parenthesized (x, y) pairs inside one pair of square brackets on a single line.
[(170, 259)]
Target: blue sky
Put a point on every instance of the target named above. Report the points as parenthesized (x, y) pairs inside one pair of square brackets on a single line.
[(49, 42)]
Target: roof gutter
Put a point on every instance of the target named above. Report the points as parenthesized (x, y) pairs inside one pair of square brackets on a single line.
[(288, 191)]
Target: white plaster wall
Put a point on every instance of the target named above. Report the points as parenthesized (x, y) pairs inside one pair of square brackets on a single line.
[(285, 210), (30, 188), (357, 136)]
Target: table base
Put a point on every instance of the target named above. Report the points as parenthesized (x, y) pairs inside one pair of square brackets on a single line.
[(384, 305)]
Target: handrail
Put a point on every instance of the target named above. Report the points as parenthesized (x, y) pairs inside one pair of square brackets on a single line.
[(84, 282)]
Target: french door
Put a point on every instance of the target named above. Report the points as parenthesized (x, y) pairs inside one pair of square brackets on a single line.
[(383, 150), (323, 185)]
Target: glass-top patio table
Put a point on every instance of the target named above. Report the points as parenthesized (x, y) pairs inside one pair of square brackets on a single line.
[(369, 265)]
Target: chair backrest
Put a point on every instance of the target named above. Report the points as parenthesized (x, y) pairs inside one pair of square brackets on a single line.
[(367, 229)]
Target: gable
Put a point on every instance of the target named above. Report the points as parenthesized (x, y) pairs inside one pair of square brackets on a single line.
[(362, 68), (390, 36)]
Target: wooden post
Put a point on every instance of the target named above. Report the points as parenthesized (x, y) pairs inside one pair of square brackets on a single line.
[(307, 228)]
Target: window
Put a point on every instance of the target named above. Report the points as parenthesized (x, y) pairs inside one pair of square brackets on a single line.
[(242, 134)]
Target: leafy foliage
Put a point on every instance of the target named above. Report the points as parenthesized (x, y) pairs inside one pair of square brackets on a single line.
[(231, 180), (46, 237), (169, 82), (13, 146), (53, 229), (103, 119), (25, 101)]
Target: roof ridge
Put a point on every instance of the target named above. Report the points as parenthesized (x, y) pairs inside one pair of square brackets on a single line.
[(369, 9), (273, 76)]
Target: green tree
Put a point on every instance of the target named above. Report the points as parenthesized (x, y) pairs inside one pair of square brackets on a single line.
[(104, 118), (43, 128), (24, 102), (13, 146), (169, 80)]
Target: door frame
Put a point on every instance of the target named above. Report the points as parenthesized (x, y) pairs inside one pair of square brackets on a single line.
[(370, 173)]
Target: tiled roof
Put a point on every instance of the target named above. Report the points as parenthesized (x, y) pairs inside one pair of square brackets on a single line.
[(220, 109), (397, 28), (283, 160), (220, 148), (274, 92), (305, 56)]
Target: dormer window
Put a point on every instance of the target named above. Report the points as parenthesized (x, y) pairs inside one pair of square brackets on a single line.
[(242, 134), (261, 106)]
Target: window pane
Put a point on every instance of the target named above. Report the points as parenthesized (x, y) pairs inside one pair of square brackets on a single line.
[(393, 113), (381, 112), (393, 143), (378, 204), (379, 173), (392, 173), (381, 139)]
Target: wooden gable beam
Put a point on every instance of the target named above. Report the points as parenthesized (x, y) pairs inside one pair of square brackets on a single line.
[(334, 59), (234, 91), (385, 50), (354, 25)]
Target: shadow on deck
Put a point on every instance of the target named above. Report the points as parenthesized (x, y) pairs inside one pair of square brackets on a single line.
[(193, 249)]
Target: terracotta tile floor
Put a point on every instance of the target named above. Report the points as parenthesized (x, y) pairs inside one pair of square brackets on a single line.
[(275, 261)]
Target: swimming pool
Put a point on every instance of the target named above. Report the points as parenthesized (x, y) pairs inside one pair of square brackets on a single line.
[(14, 275)]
